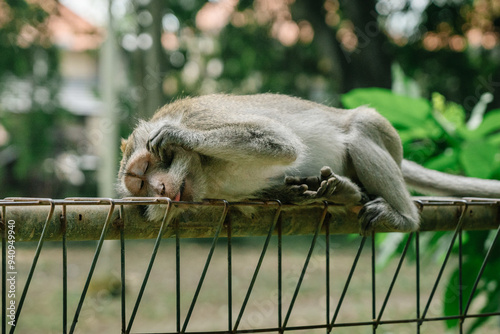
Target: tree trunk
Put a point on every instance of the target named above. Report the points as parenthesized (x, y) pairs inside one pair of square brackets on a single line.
[(369, 65)]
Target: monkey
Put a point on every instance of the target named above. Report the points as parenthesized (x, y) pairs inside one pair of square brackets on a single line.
[(273, 146)]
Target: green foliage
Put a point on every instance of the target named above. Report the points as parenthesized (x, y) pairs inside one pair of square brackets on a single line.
[(36, 139), (488, 287), (436, 134), (16, 51), (391, 106), (35, 142), (248, 56)]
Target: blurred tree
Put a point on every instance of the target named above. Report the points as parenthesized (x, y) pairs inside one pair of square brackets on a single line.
[(451, 47), (304, 48), (32, 121), (348, 36), (23, 54), (317, 49)]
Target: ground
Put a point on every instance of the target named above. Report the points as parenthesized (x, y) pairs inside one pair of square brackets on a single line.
[(42, 312)]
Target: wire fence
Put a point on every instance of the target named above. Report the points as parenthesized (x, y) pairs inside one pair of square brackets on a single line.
[(44, 220)]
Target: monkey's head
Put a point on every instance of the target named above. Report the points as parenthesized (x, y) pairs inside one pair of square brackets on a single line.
[(176, 174)]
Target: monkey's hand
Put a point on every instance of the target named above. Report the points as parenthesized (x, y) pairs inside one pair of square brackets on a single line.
[(327, 187), (166, 135)]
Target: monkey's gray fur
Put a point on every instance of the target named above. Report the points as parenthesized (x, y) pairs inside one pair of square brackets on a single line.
[(274, 147)]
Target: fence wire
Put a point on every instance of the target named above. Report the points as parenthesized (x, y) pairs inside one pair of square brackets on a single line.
[(466, 212)]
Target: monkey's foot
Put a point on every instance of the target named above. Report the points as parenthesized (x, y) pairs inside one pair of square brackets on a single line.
[(378, 213), (327, 187)]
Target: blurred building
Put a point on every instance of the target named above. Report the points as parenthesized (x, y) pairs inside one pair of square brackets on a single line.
[(78, 41), (76, 89)]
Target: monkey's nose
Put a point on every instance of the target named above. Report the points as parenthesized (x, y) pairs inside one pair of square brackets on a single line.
[(160, 189)]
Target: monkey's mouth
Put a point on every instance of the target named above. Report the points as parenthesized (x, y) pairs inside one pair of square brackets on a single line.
[(178, 197)]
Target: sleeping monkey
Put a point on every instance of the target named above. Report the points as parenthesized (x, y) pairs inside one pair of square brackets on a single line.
[(276, 147)]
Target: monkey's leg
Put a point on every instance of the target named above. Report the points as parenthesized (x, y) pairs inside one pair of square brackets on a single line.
[(381, 176)]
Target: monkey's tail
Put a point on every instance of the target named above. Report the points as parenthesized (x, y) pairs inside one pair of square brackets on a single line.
[(431, 182)]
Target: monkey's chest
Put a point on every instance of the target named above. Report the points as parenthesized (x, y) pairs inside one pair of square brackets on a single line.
[(237, 181)]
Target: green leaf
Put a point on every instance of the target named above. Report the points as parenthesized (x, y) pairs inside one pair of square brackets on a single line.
[(387, 249), (451, 306), (494, 139), (401, 111), (478, 158), (490, 307), (491, 283), (491, 123), (424, 130), (452, 112), (450, 302), (445, 162)]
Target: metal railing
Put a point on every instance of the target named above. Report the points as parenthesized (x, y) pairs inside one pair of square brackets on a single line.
[(42, 220)]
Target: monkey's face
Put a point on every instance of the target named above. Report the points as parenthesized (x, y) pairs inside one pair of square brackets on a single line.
[(175, 175)]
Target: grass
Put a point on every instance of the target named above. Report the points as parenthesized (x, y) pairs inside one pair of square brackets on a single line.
[(42, 312)]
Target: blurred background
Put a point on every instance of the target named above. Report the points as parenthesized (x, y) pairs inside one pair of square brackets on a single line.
[(76, 75)]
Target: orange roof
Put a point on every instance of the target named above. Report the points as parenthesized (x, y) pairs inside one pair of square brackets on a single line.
[(63, 28), (71, 31)]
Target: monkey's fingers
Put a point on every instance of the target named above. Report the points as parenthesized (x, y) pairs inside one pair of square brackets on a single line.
[(367, 219), (299, 189), (312, 182), (374, 214), (290, 180), (326, 173), (166, 135), (327, 188), (321, 190), (153, 144)]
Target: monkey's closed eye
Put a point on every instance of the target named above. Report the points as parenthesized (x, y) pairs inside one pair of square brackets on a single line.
[(167, 159), (142, 185)]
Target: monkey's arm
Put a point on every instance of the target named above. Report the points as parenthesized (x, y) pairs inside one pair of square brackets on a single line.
[(240, 142)]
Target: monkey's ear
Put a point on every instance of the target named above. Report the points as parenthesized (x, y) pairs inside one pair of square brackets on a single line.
[(123, 145)]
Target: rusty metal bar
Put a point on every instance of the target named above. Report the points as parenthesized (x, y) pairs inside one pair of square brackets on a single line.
[(446, 258), (4, 269), (97, 219), (84, 218), (259, 264), (348, 282), (481, 271), (306, 264), (104, 230), (64, 272), (398, 269), (165, 222), (34, 263), (220, 224)]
